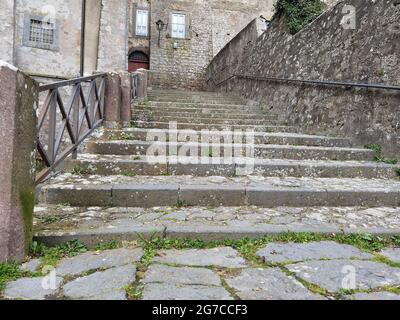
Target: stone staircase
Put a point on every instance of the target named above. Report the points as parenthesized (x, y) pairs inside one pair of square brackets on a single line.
[(298, 182)]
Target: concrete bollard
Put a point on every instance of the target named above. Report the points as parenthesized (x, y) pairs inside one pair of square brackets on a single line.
[(113, 101), (18, 133)]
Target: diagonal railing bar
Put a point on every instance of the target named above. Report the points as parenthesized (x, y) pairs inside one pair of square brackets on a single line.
[(63, 124)]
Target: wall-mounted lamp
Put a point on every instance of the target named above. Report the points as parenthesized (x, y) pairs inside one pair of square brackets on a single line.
[(267, 22), (160, 27)]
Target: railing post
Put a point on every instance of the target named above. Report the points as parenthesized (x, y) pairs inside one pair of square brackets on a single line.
[(126, 103), (113, 100), (18, 136)]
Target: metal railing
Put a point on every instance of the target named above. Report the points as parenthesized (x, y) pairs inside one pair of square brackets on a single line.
[(315, 82), (134, 84), (66, 126)]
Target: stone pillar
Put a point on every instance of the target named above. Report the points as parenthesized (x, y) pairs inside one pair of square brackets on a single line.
[(18, 100), (113, 101), (142, 85), (126, 103)]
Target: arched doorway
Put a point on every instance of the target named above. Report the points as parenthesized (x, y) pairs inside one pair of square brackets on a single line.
[(138, 60)]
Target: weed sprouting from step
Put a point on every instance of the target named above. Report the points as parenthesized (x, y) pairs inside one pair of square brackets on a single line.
[(397, 173), (137, 158), (125, 136), (50, 219), (112, 245), (129, 174), (81, 171), (181, 204), (51, 255), (379, 157)]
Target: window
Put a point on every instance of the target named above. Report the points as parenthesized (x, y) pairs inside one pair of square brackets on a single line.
[(178, 25), (142, 22), (40, 33)]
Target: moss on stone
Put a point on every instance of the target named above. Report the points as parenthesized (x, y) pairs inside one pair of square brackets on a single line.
[(27, 202)]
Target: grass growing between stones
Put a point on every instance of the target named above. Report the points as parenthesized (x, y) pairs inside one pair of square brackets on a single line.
[(8, 272), (11, 272), (135, 290), (51, 255)]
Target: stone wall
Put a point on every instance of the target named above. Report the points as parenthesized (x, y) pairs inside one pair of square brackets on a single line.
[(212, 24), (226, 62), (113, 40), (7, 31), (63, 62), (325, 50)]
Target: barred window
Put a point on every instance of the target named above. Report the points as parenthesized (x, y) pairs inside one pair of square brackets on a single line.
[(41, 32)]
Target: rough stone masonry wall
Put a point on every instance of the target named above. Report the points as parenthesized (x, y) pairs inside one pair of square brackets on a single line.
[(326, 51), (228, 60), (215, 22), (7, 30)]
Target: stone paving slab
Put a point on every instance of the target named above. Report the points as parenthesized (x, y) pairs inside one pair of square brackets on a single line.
[(31, 266), (183, 275), (375, 296), (269, 284), (296, 252), (220, 257), (106, 285), (163, 291), (31, 289), (93, 261), (334, 275), (392, 254)]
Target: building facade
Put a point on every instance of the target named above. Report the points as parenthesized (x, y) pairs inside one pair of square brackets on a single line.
[(175, 39)]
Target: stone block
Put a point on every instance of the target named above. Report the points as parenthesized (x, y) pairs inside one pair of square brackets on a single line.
[(18, 101)]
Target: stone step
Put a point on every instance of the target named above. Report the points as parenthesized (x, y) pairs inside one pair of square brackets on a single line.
[(203, 94), (259, 137), (198, 105), (150, 148), (210, 101), (95, 225), (204, 119), (132, 166), (269, 192), (186, 113), (206, 126)]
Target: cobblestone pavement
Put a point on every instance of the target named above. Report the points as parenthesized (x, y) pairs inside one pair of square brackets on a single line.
[(278, 271)]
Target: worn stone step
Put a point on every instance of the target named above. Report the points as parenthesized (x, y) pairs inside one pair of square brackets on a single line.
[(198, 113), (199, 105), (279, 138), (150, 148), (55, 224), (199, 100), (151, 191), (131, 166), (206, 126), (209, 119)]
